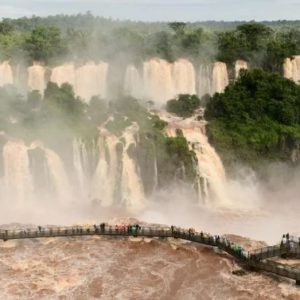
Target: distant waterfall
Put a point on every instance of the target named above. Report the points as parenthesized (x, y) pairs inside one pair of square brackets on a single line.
[(88, 80), (91, 80), (205, 80), (36, 78), (158, 81), (184, 77), (6, 74), (63, 74), (219, 77), (133, 84), (161, 80), (291, 68)]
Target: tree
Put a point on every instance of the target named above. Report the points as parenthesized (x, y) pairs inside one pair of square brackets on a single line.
[(184, 105), (6, 27), (177, 27), (45, 43), (255, 34)]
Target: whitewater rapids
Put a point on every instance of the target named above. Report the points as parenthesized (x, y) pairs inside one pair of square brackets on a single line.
[(121, 268)]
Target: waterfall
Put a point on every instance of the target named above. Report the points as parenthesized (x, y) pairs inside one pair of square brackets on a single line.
[(104, 181), (184, 77), (211, 178), (58, 176), (6, 74), (291, 68), (63, 74), (219, 77), (158, 81), (91, 80), (131, 185), (87, 81), (204, 80), (133, 84), (80, 161), (18, 183), (36, 78), (210, 168), (239, 65), (163, 81)]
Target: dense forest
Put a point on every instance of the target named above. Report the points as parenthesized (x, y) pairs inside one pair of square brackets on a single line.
[(85, 37), (256, 119)]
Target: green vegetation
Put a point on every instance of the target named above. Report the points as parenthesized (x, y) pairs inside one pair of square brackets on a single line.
[(60, 117), (257, 118), (44, 43), (85, 37), (259, 45), (183, 105)]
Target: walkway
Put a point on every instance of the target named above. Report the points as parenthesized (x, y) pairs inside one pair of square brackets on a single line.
[(255, 259)]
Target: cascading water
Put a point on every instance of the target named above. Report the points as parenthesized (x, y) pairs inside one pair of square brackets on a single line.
[(211, 177), (291, 68), (133, 84), (158, 81), (36, 78), (59, 176), (184, 77), (131, 184), (240, 65), (205, 80), (163, 81), (6, 74), (104, 177), (80, 163), (91, 80), (18, 183), (63, 74), (219, 77)]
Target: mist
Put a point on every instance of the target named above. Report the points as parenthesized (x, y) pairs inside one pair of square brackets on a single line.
[(79, 142)]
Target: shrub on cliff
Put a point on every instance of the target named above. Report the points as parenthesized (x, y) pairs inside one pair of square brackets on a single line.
[(184, 105)]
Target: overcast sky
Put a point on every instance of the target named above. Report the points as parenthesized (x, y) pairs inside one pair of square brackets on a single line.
[(162, 10)]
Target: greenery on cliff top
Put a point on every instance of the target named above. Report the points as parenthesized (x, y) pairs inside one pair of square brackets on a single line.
[(84, 37), (256, 118), (184, 105)]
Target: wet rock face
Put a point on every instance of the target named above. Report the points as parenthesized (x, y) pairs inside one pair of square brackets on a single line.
[(117, 268)]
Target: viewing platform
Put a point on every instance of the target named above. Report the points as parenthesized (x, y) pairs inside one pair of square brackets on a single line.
[(258, 259)]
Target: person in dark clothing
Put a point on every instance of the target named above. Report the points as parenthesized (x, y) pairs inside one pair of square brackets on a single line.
[(39, 228), (102, 227)]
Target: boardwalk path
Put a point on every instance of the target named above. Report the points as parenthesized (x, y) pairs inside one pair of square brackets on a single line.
[(257, 260)]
